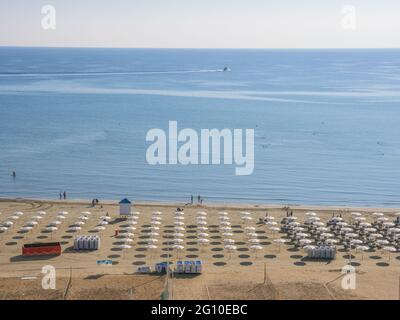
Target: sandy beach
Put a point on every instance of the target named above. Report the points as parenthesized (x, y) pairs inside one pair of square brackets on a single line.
[(275, 272)]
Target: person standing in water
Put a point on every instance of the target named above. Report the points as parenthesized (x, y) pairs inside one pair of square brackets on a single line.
[(65, 195), (60, 195)]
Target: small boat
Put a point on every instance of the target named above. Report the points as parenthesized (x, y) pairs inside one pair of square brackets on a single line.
[(226, 69)]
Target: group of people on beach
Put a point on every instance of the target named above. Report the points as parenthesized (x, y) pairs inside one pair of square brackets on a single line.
[(199, 199), (63, 195)]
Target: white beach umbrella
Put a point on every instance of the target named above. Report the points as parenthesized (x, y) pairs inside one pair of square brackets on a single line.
[(376, 235), (31, 223), (201, 213), (252, 235), (253, 240), (42, 213), (107, 218), (204, 218), (152, 240), (322, 229), (299, 229), (318, 224), (202, 228), (229, 241), (223, 213), (382, 242), (8, 223), (13, 217), (356, 242), (250, 228), (79, 223), (245, 213), (255, 247), (75, 228), (225, 223), (81, 218), (157, 213), (365, 224), (226, 228), (179, 213), (153, 228), (19, 213), (370, 229), (359, 219), (272, 223), (202, 223), (54, 223), (305, 241), (304, 235), (279, 242), (131, 223), (124, 246), (130, 228), (37, 217), (100, 228), (382, 219), (203, 241), (178, 247), (26, 229), (60, 217), (356, 214), (227, 234), (331, 241), (179, 223), (103, 223), (311, 214), (154, 234), (389, 224), (179, 218), (63, 213), (179, 229), (203, 235), (127, 240), (3, 229), (178, 240), (351, 235), (347, 229), (247, 218), (327, 235), (51, 229), (269, 218), (178, 235), (135, 213), (156, 218), (389, 250), (378, 214), (230, 247), (127, 234), (224, 218), (86, 213), (151, 246), (362, 248)]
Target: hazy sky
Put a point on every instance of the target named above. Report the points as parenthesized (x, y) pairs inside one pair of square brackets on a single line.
[(201, 23)]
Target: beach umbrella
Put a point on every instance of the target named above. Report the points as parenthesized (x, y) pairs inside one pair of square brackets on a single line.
[(179, 214), (223, 213), (223, 218), (81, 218), (103, 223), (75, 228), (179, 223), (356, 214), (151, 246), (272, 223), (322, 229), (60, 217), (203, 235), (153, 234), (318, 224), (299, 229), (229, 241), (179, 218), (291, 218), (86, 213), (362, 248), (177, 240), (131, 223), (13, 217), (279, 241), (274, 229), (157, 213), (382, 219), (152, 240), (250, 228), (156, 218), (389, 224), (252, 235), (382, 242), (127, 234), (355, 242), (225, 223), (351, 235), (178, 235), (247, 218), (269, 218), (132, 218), (179, 229), (340, 219), (107, 218), (63, 213), (127, 240), (309, 247), (203, 241), (331, 241), (3, 229), (19, 213), (100, 228), (31, 223), (178, 247), (311, 214), (25, 229), (376, 235), (394, 230), (37, 217), (42, 213), (365, 224), (226, 228), (201, 228), (230, 248), (202, 222), (359, 219), (253, 240), (314, 219), (205, 218), (370, 229), (130, 228), (124, 246), (255, 248), (305, 241), (303, 235), (201, 213), (378, 214), (8, 223), (389, 250), (227, 234), (152, 228), (79, 223), (245, 213)]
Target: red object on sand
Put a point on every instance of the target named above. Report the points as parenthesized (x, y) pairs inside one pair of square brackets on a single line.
[(41, 249)]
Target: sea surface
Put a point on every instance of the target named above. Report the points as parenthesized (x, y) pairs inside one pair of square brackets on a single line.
[(327, 123)]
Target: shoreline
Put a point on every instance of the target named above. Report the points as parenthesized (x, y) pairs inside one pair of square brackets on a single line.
[(210, 205)]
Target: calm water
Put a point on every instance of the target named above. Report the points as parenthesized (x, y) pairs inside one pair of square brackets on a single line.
[(326, 123)]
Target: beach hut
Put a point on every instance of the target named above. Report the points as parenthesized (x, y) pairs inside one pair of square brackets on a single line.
[(125, 207)]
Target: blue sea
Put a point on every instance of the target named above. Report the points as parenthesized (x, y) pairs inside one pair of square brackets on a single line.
[(327, 123)]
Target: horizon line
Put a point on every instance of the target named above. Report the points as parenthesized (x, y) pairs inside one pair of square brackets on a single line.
[(201, 48)]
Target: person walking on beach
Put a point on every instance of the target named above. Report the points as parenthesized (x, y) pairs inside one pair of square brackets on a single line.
[(191, 199), (14, 174), (65, 195), (198, 199), (60, 195)]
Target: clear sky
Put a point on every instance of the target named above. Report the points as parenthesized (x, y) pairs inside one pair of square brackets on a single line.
[(201, 23)]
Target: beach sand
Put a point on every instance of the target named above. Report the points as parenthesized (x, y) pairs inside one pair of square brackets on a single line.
[(272, 273)]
